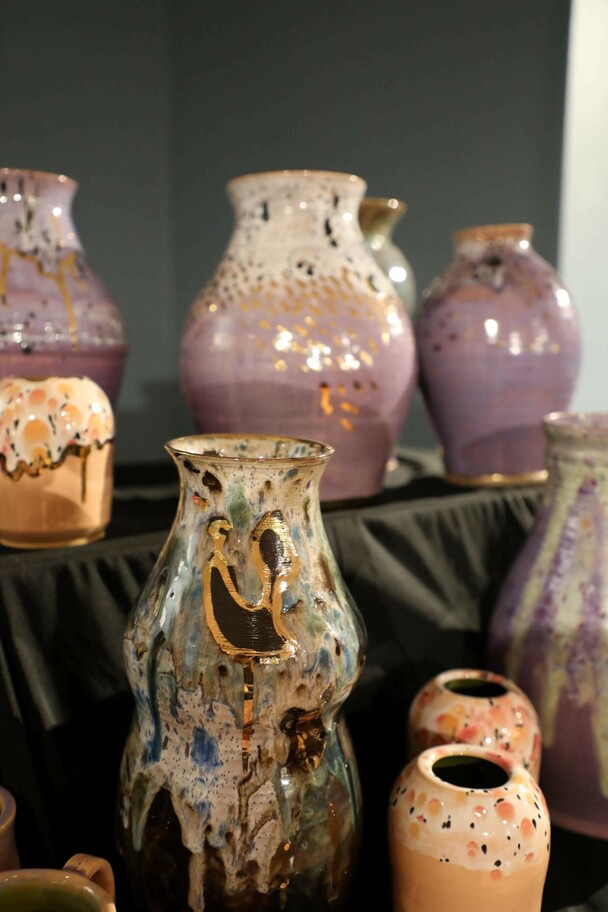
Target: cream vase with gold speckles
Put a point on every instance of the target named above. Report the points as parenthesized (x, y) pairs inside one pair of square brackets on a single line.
[(299, 332), (468, 830)]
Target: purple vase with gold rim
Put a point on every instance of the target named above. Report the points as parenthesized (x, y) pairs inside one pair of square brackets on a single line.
[(56, 316), (549, 630), (499, 347)]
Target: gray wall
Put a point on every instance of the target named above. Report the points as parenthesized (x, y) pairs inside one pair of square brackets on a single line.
[(455, 107)]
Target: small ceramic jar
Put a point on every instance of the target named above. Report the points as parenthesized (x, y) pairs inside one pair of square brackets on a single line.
[(84, 884), (56, 445), (9, 858), (468, 830), (476, 707)]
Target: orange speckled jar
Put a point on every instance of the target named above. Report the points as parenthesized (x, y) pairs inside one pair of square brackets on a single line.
[(476, 707), (468, 830)]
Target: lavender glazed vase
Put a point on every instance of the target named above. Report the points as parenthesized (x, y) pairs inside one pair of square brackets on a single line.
[(239, 787), (56, 318), (378, 217), (499, 347), (300, 332), (549, 631)]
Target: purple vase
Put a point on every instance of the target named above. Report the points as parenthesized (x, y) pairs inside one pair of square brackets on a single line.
[(549, 631), (299, 332), (56, 318), (499, 348)]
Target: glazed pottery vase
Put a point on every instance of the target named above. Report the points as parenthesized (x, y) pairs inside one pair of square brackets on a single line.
[(56, 449), (239, 788), (299, 332), (468, 830), (499, 347), (549, 630), (9, 858), (378, 218), (84, 884), (480, 708), (56, 318)]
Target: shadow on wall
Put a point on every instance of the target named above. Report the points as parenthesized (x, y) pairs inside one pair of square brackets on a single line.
[(141, 433)]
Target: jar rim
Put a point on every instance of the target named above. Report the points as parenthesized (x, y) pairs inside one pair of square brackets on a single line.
[(515, 230), (426, 760), (296, 173), (193, 446), (576, 425), (474, 674), (40, 175)]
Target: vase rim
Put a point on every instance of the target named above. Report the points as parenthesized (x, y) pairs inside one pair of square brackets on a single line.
[(474, 674), (192, 446), (517, 230), (40, 175), (297, 173), (385, 202), (577, 425), (426, 760)]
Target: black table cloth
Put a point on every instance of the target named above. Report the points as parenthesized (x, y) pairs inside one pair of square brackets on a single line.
[(424, 562)]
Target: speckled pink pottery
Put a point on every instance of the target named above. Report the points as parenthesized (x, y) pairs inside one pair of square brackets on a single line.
[(549, 631), (56, 318), (472, 706), (299, 332), (499, 347), (468, 830)]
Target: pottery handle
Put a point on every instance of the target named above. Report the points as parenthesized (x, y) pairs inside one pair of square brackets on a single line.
[(95, 869)]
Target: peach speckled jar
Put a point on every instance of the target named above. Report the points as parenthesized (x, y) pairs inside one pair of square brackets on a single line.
[(467, 831), (56, 444), (476, 707)]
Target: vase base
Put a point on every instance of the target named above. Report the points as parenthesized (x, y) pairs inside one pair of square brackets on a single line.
[(497, 479), (33, 545), (576, 825)]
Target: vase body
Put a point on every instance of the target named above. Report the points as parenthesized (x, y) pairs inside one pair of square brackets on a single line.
[(480, 708), (468, 830), (378, 217), (239, 787), (56, 457), (499, 346), (299, 332), (56, 317), (549, 630), (9, 857)]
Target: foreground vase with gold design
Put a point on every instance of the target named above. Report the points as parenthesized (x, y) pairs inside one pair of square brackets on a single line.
[(473, 706), (300, 332), (468, 830), (56, 317), (378, 218), (56, 458), (238, 787), (549, 630), (499, 346)]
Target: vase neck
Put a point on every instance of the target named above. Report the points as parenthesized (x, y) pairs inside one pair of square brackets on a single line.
[(472, 241), (36, 211), (378, 218), (577, 448), (314, 208)]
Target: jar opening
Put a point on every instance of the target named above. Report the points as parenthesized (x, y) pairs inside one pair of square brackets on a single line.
[(475, 687), (517, 231), (470, 772), (256, 448)]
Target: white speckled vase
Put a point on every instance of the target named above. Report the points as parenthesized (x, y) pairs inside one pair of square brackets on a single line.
[(549, 630), (472, 706), (468, 830), (56, 317), (239, 786), (299, 332)]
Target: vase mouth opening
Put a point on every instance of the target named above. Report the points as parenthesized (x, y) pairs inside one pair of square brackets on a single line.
[(8, 810), (252, 449), (384, 204), (496, 234), (577, 426), (48, 176), (296, 174), (475, 684), (466, 767)]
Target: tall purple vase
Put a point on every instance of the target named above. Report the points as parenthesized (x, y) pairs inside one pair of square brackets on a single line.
[(549, 631), (299, 332), (56, 317), (499, 348)]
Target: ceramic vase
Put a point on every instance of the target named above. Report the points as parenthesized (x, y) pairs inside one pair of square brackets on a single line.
[(56, 450), (378, 218), (299, 332), (549, 630), (239, 786), (476, 707), (9, 857), (468, 830), (56, 317), (499, 347)]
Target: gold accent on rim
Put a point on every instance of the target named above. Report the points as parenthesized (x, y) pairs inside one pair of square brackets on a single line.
[(497, 479), (519, 231), (39, 175)]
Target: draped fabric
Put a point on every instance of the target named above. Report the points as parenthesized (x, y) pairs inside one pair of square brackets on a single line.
[(424, 563)]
